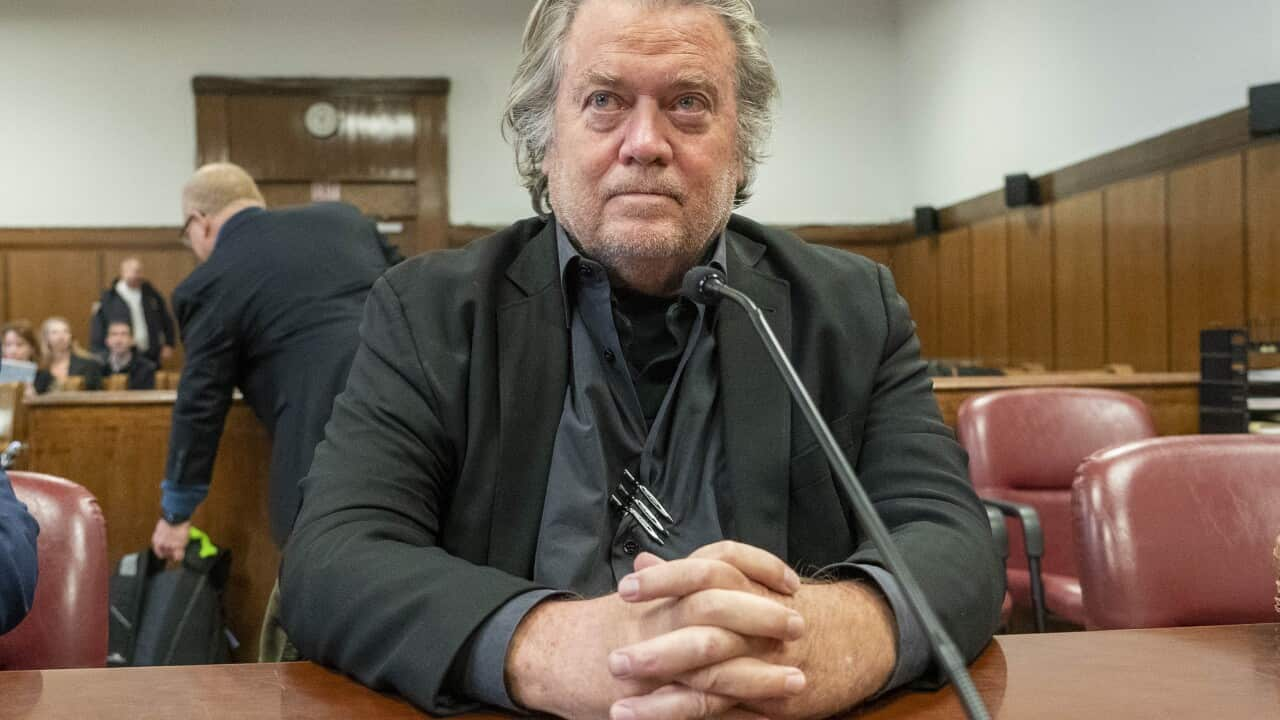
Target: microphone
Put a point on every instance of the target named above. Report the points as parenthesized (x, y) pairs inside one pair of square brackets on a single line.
[(702, 285), (706, 285)]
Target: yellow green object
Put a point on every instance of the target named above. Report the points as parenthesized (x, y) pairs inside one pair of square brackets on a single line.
[(207, 548)]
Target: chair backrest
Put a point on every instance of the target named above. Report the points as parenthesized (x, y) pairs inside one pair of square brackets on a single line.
[(1024, 445), (115, 381), (67, 624), (1179, 531), (167, 379), (10, 410)]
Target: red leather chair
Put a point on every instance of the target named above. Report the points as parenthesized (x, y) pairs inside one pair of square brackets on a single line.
[(1179, 531), (67, 625), (1024, 446)]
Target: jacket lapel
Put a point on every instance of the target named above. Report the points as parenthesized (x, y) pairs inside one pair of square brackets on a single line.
[(533, 347), (757, 408)]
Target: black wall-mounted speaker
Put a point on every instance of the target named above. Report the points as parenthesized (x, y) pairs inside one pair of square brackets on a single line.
[(1020, 190), (1264, 109), (926, 220)]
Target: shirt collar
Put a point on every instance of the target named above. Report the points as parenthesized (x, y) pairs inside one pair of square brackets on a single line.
[(569, 257)]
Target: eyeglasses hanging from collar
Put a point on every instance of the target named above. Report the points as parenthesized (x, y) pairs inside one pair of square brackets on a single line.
[(634, 499)]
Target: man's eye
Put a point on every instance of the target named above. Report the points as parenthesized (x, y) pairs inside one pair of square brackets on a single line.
[(601, 100), (691, 103)]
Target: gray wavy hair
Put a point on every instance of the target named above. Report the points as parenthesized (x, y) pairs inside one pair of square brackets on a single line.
[(530, 110)]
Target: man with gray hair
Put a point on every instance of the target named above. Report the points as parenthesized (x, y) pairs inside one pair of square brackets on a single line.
[(553, 485)]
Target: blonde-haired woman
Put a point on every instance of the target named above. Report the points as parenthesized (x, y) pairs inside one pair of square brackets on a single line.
[(63, 357)]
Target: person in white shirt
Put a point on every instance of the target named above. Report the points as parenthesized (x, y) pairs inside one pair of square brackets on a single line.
[(133, 300)]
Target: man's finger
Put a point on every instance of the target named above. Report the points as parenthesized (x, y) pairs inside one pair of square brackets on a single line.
[(673, 702), (747, 679), (740, 612), (679, 578), (669, 655), (646, 560), (757, 564)]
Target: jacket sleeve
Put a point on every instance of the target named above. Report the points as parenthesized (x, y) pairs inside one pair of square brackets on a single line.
[(18, 569), (204, 396), (365, 585), (166, 321), (98, 329), (916, 475)]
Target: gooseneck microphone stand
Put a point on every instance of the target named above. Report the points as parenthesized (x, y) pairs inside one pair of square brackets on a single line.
[(705, 285)]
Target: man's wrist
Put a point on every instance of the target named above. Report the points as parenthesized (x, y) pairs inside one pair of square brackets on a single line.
[(174, 518)]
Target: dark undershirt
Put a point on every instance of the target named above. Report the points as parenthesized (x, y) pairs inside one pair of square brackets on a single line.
[(653, 332)]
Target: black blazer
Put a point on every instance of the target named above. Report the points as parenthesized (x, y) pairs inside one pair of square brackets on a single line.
[(113, 308), (274, 311), (421, 512)]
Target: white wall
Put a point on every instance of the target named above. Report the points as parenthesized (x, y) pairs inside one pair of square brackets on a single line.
[(105, 133), (885, 103), (996, 86)]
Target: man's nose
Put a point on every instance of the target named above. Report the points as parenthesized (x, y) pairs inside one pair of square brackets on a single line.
[(646, 141)]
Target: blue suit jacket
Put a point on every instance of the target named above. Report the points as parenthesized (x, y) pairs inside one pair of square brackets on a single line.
[(18, 532)]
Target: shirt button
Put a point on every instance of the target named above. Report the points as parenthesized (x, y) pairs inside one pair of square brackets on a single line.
[(609, 357), (630, 547)]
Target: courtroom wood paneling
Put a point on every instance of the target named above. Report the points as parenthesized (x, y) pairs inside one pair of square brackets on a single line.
[(4, 289), (915, 264), (991, 292), (1214, 136), (380, 200), (91, 238), (1031, 312), (117, 450), (955, 296), (163, 268), (1206, 254), (42, 283), (1137, 279), (432, 159), (1263, 207), (1078, 271), (374, 141), (212, 144), (318, 86), (860, 235), (882, 254)]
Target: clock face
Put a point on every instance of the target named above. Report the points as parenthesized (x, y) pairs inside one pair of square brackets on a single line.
[(321, 119)]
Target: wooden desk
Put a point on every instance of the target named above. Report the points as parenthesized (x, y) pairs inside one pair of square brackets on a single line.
[(115, 444), (1221, 672)]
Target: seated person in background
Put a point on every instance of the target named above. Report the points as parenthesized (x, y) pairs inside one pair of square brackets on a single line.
[(133, 300), (457, 539), (18, 569), (64, 358), (20, 344), (124, 359)]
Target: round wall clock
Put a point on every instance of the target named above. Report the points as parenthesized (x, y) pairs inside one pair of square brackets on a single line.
[(321, 119)]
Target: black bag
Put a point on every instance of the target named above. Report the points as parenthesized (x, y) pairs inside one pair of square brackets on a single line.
[(170, 617)]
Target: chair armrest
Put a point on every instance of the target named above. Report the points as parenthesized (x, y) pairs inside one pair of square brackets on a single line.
[(1033, 545), (1032, 534), (999, 530)]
